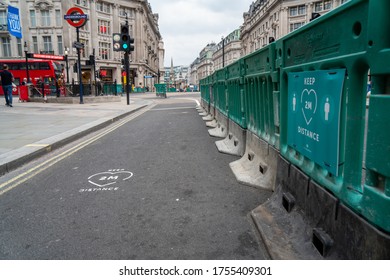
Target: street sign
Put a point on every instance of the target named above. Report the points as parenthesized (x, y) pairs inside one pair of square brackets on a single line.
[(76, 17), (314, 105), (78, 45), (13, 20)]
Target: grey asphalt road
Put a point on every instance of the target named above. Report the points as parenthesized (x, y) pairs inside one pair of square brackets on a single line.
[(152, 186)]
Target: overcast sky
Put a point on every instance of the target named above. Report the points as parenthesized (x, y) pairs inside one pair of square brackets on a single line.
[(187, 26)]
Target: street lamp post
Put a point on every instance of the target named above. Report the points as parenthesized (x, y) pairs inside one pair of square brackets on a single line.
[(26, 52), (223, 52), (66, 65)]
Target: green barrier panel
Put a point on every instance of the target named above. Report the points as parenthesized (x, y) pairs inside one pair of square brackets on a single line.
[(323, 68), (202, 86), (109, 89), (220, 91), (376, 192), (139, 90), (260, 91), (235, 93), (161, 89)]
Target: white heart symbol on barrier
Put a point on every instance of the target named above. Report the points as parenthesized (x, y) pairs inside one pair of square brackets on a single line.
[(105, 179), (309, 104)]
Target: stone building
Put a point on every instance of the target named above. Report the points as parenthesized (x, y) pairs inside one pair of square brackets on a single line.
[(277, 18), (46, 31), (206, 63), (228, 50)]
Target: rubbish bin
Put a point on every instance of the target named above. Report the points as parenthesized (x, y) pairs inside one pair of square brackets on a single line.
[(23, 93)]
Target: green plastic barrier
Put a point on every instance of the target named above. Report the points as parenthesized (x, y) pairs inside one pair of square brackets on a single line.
[(323, 68), (204, 93), (161, 89), (261, 104), (235, 93), (219, 91), (306, 95), (375, 204)]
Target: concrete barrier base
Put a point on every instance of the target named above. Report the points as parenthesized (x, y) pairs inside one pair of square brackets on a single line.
[(302, 220), (257, 168), (234, 143), (212, 124), (221, 130), (208, 118)]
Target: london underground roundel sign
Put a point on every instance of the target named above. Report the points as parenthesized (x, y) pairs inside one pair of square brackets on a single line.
[(76, 17)]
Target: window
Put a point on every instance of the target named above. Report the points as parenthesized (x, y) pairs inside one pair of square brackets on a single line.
[(104, 50), (293, 11), (45, 18), (296, 25), (302, 10), (327, 5), (81, 2), (297, 10), (126, 11), (104, 27), (323, 6), (33, 20), (3, 17), (47, 45), (6, 46), (58, 18), (35, 44), (19, 44), (103, 7), (60, 45)]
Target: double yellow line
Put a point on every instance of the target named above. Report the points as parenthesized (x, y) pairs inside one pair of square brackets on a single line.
[(16, 181)]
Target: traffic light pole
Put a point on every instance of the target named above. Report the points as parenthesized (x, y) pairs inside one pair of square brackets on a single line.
[(79, 68), (123, 42), (127, 69)]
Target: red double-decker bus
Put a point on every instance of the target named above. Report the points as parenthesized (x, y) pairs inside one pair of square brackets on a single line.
[(47, 71)]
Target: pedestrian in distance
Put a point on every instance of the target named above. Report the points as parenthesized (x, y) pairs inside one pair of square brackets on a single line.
[(7, 79)]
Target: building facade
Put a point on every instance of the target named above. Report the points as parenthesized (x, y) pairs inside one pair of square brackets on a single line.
[(206, 63), (273, 19), (228, 50), (45, 31)]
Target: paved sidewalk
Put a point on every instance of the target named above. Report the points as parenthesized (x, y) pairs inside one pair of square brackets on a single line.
[(30, 129)]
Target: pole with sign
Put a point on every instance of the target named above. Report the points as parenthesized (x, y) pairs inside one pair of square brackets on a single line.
[(76, 18)]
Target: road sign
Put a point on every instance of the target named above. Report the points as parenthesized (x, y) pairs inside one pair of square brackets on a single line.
[(78, 45), (13, 20), (76, 17), (314, 105)]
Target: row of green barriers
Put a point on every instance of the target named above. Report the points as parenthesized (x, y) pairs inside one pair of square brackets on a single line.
[(304, 95)]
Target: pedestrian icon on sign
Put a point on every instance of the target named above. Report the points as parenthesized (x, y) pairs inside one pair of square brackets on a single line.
[(327, 109)]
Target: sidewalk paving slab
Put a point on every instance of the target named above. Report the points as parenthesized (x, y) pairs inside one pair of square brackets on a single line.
[(32, 129)]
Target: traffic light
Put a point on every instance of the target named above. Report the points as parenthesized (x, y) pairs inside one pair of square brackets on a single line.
[(125, 38), (116, 38), (126, 41), (123, 41)]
